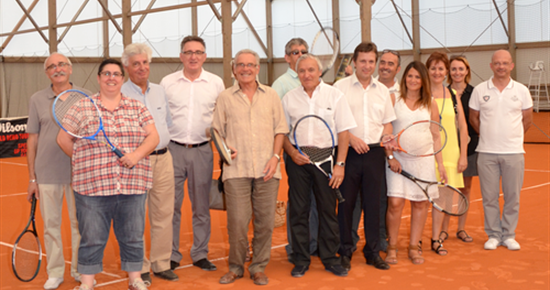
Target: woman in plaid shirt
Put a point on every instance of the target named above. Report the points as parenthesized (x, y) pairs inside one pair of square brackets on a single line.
[(109, 189)]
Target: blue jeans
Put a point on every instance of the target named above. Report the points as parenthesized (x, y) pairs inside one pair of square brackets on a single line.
[(94, 215)]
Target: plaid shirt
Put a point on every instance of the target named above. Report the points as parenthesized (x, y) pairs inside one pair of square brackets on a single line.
[(96, 169)]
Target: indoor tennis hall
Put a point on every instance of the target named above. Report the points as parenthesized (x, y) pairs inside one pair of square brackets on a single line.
[(87, 31)]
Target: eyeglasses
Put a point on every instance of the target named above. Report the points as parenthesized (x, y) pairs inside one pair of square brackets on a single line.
[(60, 65), (109, 74), (247, 65), (190, 53), (296, 52)]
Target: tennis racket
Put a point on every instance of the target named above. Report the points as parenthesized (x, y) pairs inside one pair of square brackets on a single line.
[(26, 255), (313, 124), (326, 46), (416, 140), (223, 150), (450, 201), (89, 123)]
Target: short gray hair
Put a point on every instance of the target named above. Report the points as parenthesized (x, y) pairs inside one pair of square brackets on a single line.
[(54, 53), (309, 56), (134, 49), (246, 50), (294, 41)]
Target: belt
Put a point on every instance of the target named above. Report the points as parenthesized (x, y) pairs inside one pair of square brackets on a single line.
[(190, 145), (159, 152)]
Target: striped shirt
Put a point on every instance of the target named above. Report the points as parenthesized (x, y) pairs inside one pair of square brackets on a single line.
[(96, 170)]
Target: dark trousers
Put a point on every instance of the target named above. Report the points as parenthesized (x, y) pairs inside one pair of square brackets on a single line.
[(364, 173), (301, 179)]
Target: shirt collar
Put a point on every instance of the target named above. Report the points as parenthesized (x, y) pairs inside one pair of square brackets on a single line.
[(202, 77), (292, 73), (491, 85), (53, 95), (355, 80), (138, 88), (235, 88)]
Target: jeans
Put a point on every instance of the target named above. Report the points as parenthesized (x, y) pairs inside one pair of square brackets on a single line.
[(94, 214)]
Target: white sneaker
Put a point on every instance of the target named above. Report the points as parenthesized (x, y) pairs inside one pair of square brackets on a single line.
[(491, 244), (53, 283), (137, 285), (511, 244)]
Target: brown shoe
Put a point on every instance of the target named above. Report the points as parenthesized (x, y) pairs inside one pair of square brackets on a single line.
[(229, 278), (259, 278)]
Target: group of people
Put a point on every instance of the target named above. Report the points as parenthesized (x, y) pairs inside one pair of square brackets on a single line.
[(162, 129)]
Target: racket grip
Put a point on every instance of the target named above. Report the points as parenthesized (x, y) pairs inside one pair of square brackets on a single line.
[(118, 153), (374, 145), (339, 195)]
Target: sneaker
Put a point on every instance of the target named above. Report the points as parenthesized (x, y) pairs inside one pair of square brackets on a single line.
[(53, 283), (511, 244), (491, 244), (137, 285)]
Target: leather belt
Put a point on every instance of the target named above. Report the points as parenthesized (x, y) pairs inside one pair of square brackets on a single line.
[(159, 152), (190, 145)]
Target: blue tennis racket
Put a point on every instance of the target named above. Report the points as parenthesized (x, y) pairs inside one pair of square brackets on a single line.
[(89, 123), (317, 155)]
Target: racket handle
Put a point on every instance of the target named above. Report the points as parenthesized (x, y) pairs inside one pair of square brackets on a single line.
[(118, 153), (339, 195)]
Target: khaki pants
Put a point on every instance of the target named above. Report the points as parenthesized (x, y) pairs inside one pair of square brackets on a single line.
[(244, 197), (160, 201), (51, 205)]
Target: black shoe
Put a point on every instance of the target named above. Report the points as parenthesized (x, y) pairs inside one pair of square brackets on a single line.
[(346, 262), (378, 263), (174, 265), (146, 277), (337, 270), (299, 271), (205, 265), (167, 275)]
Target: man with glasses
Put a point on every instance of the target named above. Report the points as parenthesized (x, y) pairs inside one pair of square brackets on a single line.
[(501, 111), (46, 183), (160, 200), (295, 48), (192, 94), (250, 117)]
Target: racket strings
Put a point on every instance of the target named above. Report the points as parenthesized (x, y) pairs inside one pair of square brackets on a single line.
[(451, 200), (88, 121), (317, 154), (26, 256)]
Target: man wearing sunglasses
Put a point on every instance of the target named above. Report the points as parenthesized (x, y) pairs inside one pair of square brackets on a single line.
[(289, 80), (192, 94)]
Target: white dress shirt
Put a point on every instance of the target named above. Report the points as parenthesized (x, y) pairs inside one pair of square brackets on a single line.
[(191, 105), (371, 107)]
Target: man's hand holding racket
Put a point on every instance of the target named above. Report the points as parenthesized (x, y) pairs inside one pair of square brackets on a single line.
[(337, 176)]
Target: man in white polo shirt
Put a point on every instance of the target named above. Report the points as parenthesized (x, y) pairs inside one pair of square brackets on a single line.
[(501, 111)]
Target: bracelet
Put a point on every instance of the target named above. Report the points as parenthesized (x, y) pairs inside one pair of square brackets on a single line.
[(32, 181), (277, 156)]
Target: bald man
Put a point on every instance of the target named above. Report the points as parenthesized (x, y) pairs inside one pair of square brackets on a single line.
[(501, 111)]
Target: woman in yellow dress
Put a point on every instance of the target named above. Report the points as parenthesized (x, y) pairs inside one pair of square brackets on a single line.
[(455, 159)]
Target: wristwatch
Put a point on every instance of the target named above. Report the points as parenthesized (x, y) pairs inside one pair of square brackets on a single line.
[(32, 181), (390, 157), (277, 156), (341, 164)]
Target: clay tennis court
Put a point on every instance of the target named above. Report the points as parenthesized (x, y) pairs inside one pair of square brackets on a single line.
[(467, 266)]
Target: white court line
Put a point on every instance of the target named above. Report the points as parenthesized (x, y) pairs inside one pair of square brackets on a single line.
[(14, 194), (537, 170), (13, 163)]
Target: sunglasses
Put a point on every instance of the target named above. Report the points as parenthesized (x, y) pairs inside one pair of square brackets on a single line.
[(296, 52)]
